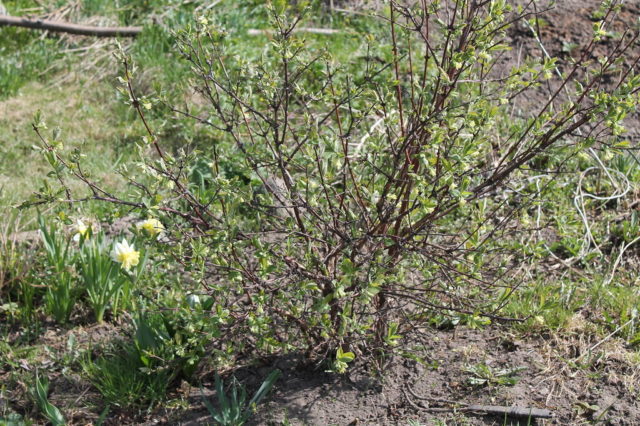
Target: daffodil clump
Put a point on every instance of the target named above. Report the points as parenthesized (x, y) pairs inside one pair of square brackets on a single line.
[(125, 254), (151, 226)]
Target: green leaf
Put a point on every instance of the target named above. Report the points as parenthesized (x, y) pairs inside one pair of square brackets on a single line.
[(344, 356)]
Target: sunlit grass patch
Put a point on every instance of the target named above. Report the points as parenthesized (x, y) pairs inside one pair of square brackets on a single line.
[(555, 304), (89, 118)]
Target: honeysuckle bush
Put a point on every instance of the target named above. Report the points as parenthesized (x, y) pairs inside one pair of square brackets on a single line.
[(341, 205)]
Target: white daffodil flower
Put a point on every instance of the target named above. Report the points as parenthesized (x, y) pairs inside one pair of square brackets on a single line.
[(125, 254), (82, 230)]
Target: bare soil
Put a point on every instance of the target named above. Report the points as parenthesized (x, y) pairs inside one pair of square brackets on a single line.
[(566, 29), (581, 377), (557, 374)]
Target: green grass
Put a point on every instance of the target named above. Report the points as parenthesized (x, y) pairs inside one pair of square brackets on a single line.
[(122, 379), (72, 81)]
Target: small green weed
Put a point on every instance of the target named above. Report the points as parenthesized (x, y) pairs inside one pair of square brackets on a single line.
[(39, 392), (16, 258), (484, 375), (177, 335)]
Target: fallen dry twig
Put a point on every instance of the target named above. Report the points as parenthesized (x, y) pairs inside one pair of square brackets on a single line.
[(527, 412), (522, 412), (41, 24)]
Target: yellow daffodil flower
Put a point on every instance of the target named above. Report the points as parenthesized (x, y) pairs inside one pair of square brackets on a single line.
[(151, 226)]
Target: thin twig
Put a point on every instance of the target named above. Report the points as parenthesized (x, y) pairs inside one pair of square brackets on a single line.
[(322, 31)]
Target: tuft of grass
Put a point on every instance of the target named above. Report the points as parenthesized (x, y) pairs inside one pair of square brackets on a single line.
[(122, 379)]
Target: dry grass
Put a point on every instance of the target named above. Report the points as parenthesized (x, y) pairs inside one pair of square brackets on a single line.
[(14, 259)]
